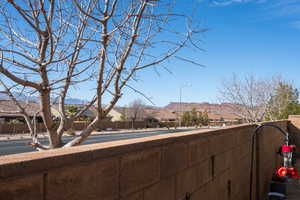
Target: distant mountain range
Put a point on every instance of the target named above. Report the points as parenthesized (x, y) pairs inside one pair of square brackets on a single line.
[(75, 101), (172, 106), (21, 97)]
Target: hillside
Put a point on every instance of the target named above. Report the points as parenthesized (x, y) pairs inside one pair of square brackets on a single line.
[(212, 108)]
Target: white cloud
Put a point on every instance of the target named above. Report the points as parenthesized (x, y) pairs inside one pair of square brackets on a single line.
[(288, 10), (284, 7), (221, 3), (229, 2), (271, 8)]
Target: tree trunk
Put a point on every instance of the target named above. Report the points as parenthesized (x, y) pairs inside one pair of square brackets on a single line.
[(84, 134), (45, 105)]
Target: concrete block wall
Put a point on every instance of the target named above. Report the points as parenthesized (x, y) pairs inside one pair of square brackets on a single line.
[(197, 165), (80, 125), (269, 142), (294, 128)]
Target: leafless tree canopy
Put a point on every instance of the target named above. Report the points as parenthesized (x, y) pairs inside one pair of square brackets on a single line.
[(48, 48), (250, 96), (136, 111)]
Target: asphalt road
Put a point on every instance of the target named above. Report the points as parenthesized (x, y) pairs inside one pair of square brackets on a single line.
[(21, 146)]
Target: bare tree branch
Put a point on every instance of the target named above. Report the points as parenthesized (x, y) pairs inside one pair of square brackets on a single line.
[(50, 48)]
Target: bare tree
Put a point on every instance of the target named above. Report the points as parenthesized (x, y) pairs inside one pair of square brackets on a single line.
[(136, 111), (249, 97), (48, 48)]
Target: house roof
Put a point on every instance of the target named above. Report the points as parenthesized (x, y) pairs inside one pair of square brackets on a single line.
[(9, 106), (113, 112), (225, 116), (161, 114), (31, 108), (215, 111)]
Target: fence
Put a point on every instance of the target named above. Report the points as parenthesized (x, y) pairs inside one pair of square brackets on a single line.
[(23, 128), (195, 165)]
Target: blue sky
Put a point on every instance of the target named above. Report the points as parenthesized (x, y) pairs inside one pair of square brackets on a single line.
[(258, 37)]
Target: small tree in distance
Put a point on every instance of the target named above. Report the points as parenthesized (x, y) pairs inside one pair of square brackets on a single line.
[(136, 111), (284, 102), (186, 118), (71, 110), (194, 116), (205, 118)]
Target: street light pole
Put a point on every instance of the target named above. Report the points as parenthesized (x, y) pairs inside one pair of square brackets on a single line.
[(180, 101), (180, 94)]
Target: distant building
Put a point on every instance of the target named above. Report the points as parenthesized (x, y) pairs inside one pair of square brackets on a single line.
[(169, 113), (137, 114), (32, 108), (162, 115), (115, 115), (228, 117), (8, 107), (216, 112)]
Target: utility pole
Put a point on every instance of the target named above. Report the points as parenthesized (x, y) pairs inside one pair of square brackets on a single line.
[(180, 109), (180, 101)]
